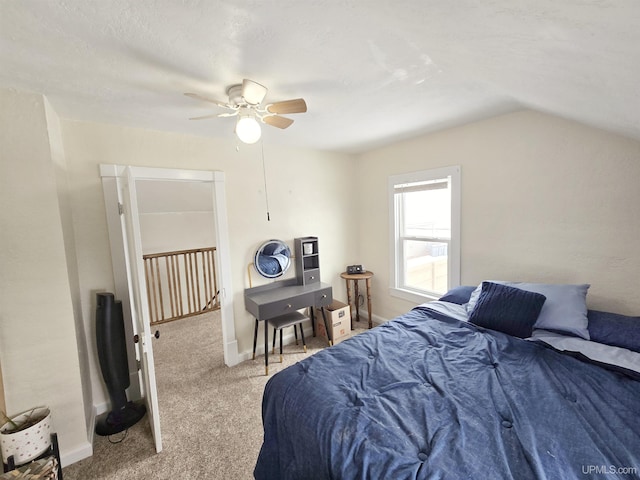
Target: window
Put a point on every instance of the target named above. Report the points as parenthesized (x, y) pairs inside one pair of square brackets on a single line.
[(424, 211)]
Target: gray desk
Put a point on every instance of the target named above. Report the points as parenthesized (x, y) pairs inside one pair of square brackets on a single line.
[(277, 298)]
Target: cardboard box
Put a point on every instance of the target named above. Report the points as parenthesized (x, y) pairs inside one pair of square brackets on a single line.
[(339, 321)]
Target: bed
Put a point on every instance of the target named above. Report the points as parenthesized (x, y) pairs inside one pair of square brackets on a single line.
[(438, 394)]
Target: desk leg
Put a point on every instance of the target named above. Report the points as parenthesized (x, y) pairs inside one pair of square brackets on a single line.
[(302, 335), (266, 347), (349, 300), (255, 339), (369, 301), (312, 316), (357, 300), (326, 326)]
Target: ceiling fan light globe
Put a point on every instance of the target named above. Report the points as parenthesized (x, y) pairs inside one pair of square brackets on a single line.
[(248, 130)]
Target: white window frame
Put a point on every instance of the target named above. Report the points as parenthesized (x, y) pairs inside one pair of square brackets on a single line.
[(395, 249)]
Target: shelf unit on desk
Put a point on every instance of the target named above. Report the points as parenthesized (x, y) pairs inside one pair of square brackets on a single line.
[(307, 257)]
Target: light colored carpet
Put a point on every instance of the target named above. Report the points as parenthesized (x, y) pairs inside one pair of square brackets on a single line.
[(210, 414)]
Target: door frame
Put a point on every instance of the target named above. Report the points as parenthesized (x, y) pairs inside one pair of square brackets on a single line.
[(109, 174)]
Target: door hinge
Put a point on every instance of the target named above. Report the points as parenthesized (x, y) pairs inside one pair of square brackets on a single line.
[(138, 365), (120, 208)]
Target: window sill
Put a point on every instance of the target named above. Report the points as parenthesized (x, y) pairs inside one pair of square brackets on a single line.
[(413, 297)]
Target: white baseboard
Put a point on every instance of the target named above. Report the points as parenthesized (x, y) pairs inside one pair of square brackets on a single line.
[(86, 449), (82, 451), (375, 319), (91, 428), (100, 408), (232, 351)]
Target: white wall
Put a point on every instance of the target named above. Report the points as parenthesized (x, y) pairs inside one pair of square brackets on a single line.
[(37, 328), (66, 216), (543, 199), (309, 194), (171, 231), (175, 215)]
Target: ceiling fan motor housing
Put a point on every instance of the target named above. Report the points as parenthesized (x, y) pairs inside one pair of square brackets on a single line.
[(235, 95)]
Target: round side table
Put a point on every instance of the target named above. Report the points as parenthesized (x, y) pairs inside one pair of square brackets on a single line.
[(366, 276)]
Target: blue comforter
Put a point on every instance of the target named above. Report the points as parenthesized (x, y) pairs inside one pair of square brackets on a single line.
[(427, 396)]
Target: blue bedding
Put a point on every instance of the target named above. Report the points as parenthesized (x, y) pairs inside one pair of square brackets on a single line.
[(428, 396), (269, 264)]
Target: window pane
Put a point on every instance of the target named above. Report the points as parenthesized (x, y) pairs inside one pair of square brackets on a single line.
[(425, 232), (427, 213), (425, 265)]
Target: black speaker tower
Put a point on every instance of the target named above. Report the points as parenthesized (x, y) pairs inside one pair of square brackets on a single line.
[(112, 354)]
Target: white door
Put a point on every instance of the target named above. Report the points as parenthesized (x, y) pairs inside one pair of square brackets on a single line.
[(138, 295)]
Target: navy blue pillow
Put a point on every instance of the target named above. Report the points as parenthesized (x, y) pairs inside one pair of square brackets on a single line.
[(614, 329), (459, 295), (507, 309)]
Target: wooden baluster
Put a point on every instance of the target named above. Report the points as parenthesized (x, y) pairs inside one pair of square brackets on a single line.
[(205, 277), (215, 277), (147, 275), (176, 313), (195, 258), (193, 303), (169, 285), (159, 286), (212, 293), (187, 292)]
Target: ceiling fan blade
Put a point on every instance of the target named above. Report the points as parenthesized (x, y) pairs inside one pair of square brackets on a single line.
[(230, 114), (252, 92), (297, 105), (203, 117), (200, 97), (277, 121)]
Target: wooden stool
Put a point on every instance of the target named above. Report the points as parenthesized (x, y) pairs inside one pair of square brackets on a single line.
[(355, 277)]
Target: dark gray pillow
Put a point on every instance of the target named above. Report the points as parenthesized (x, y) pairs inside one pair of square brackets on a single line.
[(507, 309), (614, 329), (459, 295)]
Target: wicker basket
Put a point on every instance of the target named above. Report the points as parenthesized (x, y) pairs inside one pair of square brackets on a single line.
[(43, 469)]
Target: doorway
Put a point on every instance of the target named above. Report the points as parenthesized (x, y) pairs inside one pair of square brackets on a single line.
[(177, 230), (120, 185)]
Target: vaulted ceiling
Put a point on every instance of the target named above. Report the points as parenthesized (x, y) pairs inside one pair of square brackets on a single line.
[(371, 71)]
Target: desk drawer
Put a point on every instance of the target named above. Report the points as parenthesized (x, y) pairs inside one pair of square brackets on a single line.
[(269, 301), (311, 276), (323, 297), (280, 307)]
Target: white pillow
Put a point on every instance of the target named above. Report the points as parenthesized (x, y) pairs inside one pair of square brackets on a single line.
[(564, 310)]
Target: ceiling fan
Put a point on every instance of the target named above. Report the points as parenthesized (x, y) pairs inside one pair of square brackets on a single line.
[(246, 103)]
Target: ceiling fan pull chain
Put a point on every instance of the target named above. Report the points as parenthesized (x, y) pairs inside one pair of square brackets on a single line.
[(264, 173)]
